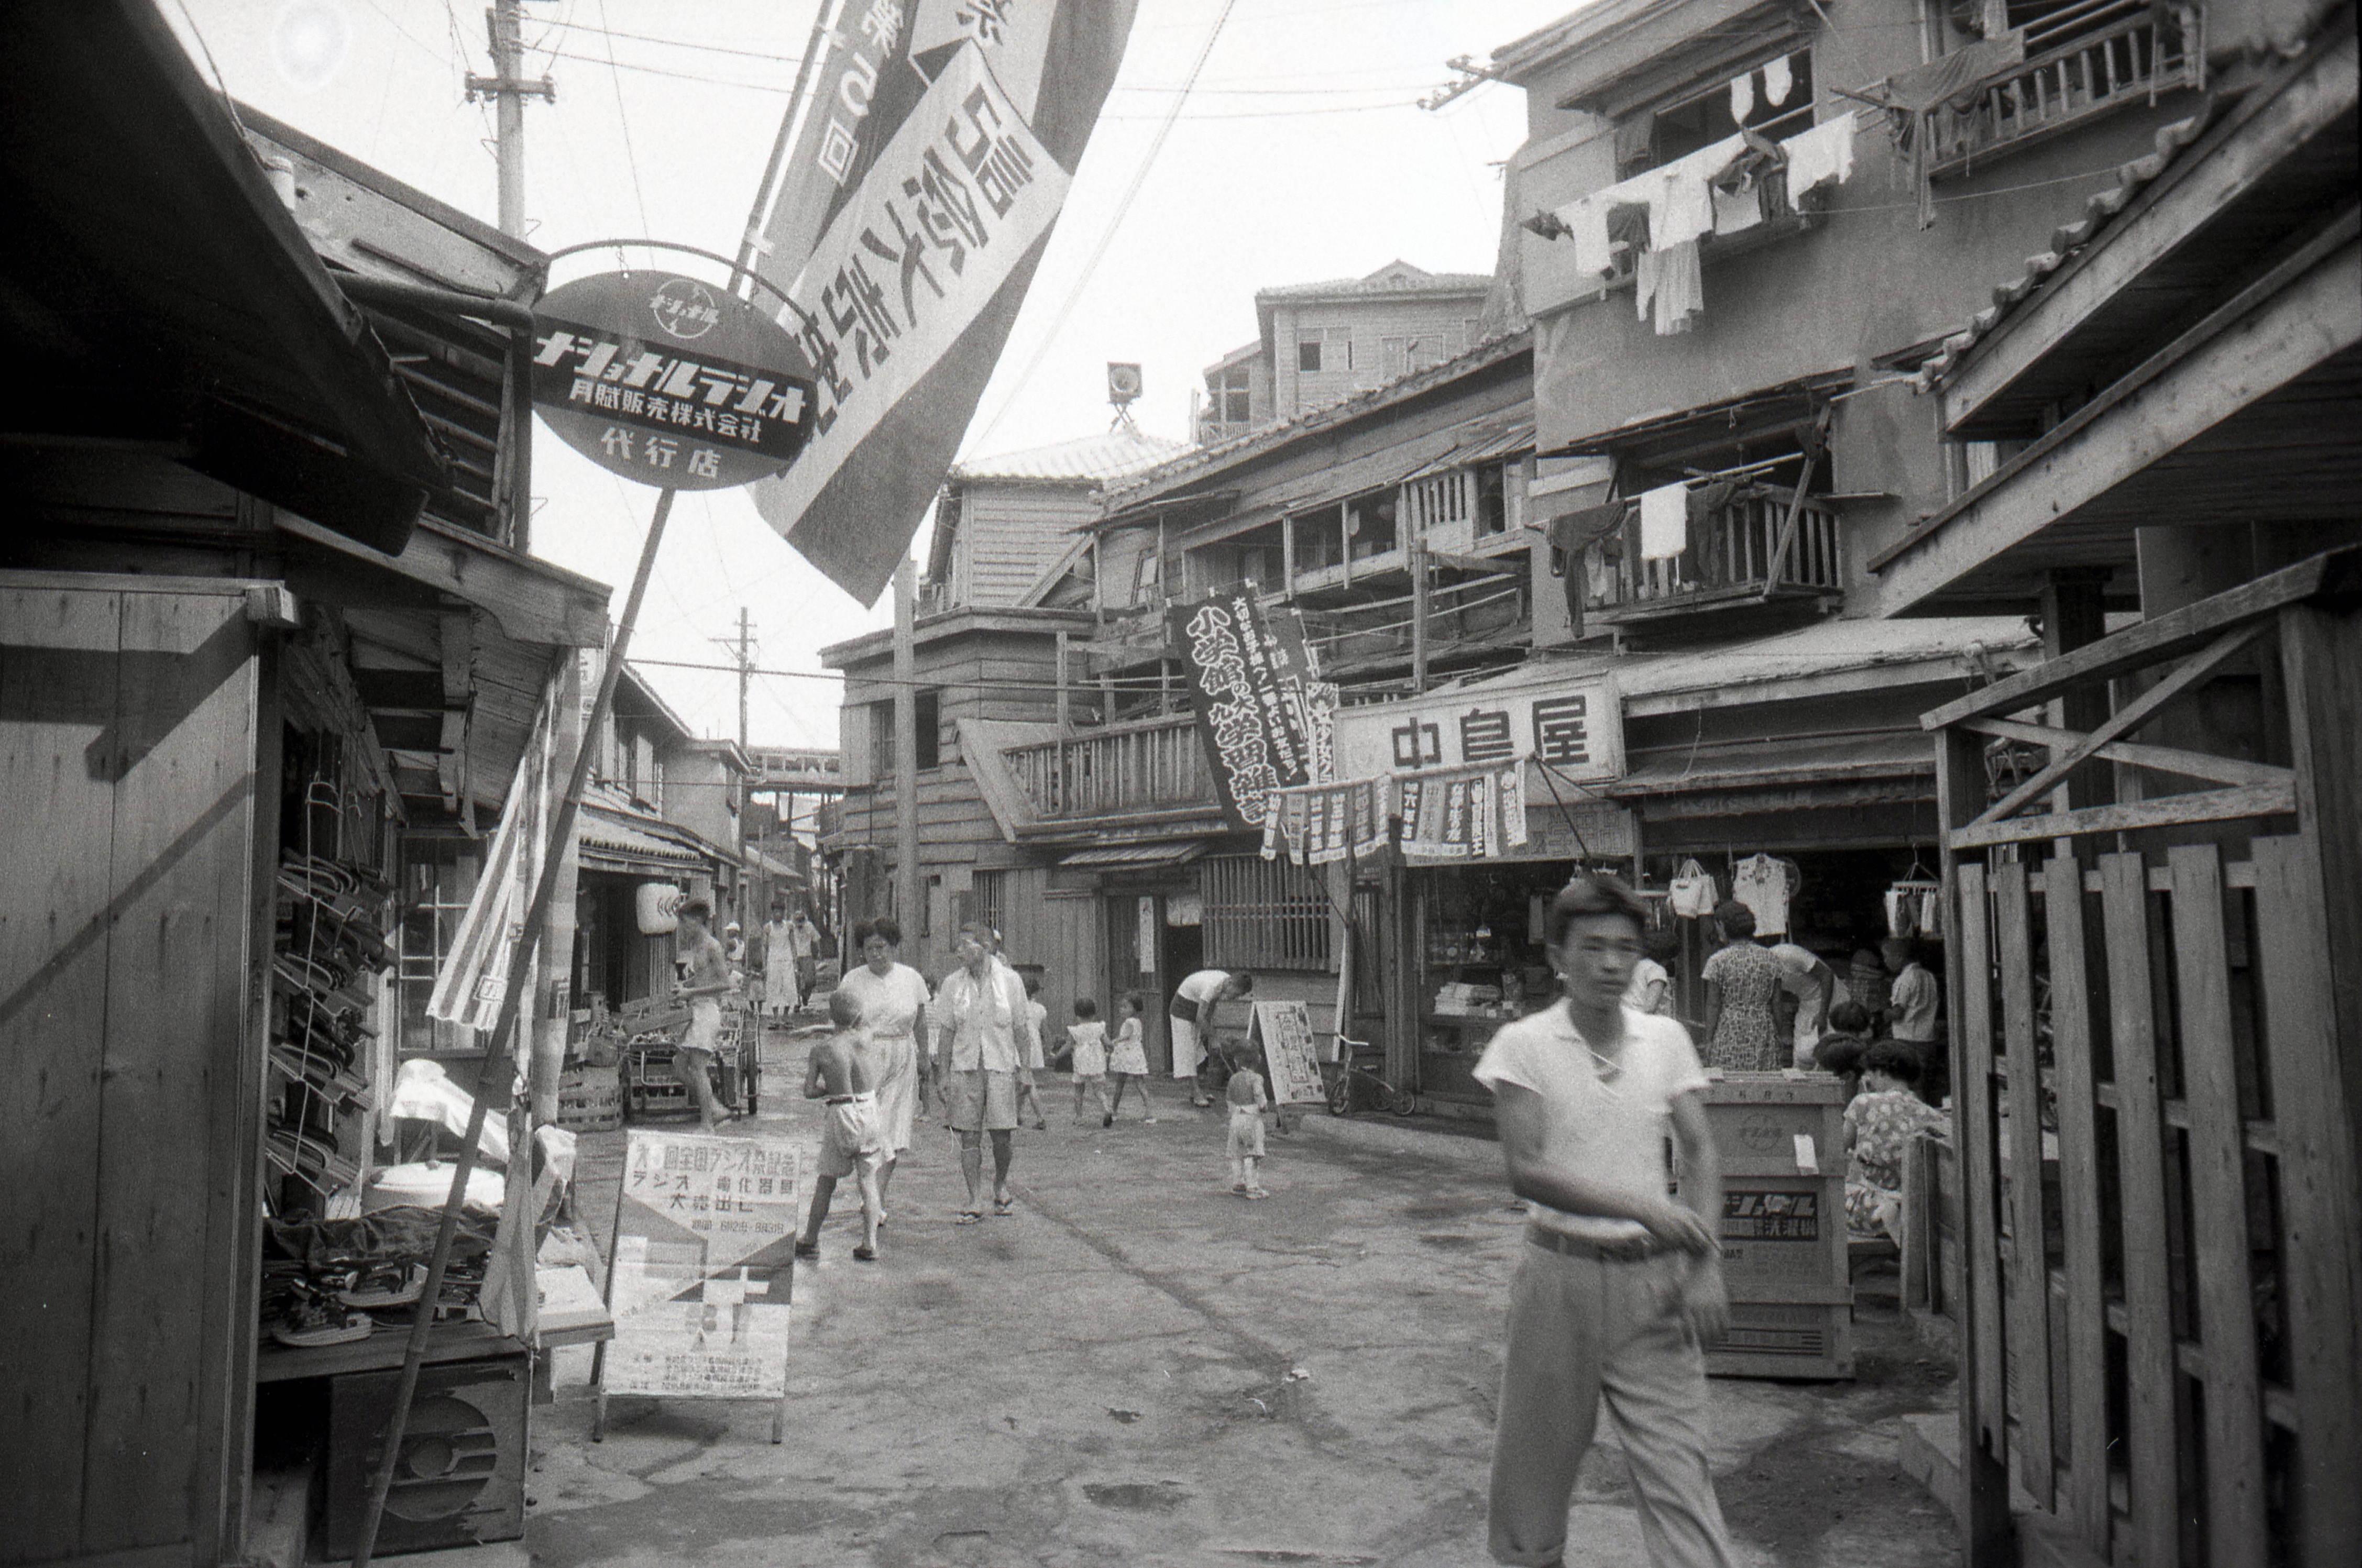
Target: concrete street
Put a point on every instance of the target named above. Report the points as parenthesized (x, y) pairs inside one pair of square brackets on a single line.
[(1139, 1368)]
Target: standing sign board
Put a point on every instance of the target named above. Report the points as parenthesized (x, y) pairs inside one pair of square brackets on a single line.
[(702, 1267), (1262, 711), (1284, 1031), (671, 382)]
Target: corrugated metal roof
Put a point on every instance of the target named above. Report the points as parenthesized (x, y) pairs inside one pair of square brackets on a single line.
[(1169, 852), (1900, 753), (1117, 453)]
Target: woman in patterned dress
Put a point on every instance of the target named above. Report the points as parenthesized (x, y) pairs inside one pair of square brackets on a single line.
[(1743, 982)]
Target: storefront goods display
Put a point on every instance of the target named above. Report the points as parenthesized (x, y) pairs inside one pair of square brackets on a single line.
[(318, 1275), (1693, 892), (330, 946), (1767, 885)]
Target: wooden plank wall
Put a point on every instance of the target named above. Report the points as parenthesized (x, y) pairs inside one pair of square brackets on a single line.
[(2193, 1259), (130, 724)]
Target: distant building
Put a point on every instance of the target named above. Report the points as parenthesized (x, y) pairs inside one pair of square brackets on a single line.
[(1320, 343), (1001, 521)]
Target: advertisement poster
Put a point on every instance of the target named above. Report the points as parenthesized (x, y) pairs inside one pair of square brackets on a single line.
[(705, 1235), (1285, 1029)]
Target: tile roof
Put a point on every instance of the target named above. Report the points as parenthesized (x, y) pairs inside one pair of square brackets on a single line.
[(1092, 457), (2065, 242), (1394, 278)]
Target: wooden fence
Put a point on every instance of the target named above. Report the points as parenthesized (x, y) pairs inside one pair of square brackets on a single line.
[(2157, 1051)]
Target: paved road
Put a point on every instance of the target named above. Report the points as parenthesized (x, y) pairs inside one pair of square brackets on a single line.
[(1140, 1369)]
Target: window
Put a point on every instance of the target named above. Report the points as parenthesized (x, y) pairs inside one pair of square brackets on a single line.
[(1148, 576), (1263, 914), (987, 901), (930, 726), (1393, 357), (438, 878), (1231, 396), (1370, 525), (1308, 353), (881, 739), (1320, 349), (1773, 99)]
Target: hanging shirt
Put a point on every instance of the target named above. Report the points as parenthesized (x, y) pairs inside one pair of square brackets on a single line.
[(1664, 522), (1761, 884), (1820, 156), (1680, 291)]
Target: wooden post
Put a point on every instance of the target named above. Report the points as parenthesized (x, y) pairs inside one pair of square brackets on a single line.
[(905, 749), (1417, 553), (1063, 714), (1987, 1538)]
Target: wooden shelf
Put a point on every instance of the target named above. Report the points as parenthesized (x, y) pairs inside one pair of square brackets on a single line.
[(382, 1351)]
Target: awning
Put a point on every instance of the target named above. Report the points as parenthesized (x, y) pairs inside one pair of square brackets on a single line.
[(1166, 852), (610, 844), (1849, 759), (1657, 439), (778, 871)]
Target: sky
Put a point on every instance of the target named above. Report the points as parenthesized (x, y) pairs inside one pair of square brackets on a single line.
[(1300, 153)]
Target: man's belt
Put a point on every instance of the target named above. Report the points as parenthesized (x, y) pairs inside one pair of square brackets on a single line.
[(1629, 1250), (851, 1098)]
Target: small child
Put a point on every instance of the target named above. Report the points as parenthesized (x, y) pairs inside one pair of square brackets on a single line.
[(851, 1144), (1247, 1099), (1127, 1060), (1087, 1047), (1880, 1122), (1027, 1093)]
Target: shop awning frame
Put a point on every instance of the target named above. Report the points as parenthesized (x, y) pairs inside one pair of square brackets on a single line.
[(1156, 854)]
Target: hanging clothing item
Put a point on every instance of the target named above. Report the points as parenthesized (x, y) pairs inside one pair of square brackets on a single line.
[(1664, 522), (1931, 916), (1778, 81), (1823, 155), (1679, 293), (1586, 224), (1735, 212), (1742, 98), (1683, 207), (1902, 914), (1761, 884)]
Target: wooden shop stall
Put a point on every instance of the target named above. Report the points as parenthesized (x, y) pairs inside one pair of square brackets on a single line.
[(267, 631)]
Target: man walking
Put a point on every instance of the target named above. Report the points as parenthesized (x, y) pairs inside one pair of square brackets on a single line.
[(981, 1008), (704, 984), (1617, 1282), (780, 992), (803, 941)]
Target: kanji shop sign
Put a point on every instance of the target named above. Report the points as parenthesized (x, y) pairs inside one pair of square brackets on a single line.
[(1262, 711), (670, 381), (1574, 728)]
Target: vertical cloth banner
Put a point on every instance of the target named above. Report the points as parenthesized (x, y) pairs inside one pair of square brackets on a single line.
[(1464, 815), (1319, 824), (936, 152), (469, 985), (1262, 711)]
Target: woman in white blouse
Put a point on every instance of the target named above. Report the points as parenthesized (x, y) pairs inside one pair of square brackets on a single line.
[(893, 999)]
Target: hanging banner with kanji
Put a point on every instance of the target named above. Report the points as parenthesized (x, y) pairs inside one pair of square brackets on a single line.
[(474, 975), (1320, 824), (1462, 813), (923, 180), (1263, 713)]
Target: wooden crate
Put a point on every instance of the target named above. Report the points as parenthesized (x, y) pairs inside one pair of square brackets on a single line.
[(1781, 1138), (590, 1099)]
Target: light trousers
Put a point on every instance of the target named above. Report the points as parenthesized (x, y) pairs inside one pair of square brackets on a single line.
[(1582, 1329)]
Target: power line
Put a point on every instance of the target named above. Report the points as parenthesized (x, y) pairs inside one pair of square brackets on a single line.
[(623, 123), (1107, 235)]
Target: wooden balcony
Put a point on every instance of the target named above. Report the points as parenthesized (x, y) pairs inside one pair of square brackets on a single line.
[(1729, 560), (2081, 63), (1125, 771)]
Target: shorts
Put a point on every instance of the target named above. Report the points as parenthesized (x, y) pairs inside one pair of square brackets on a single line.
[(983, 1101), (704, 1026), (1246, 1132), (851, 1140)]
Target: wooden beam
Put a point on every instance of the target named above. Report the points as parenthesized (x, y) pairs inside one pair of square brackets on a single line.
[(2131, 716), (1489, 565), (456, 636), (2197, 185), (530, 600), (2161, 759), (2204, 806), (2297, 314), (2334, 576)]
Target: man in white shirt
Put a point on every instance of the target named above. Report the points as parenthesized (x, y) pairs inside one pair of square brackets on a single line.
[(983, 1039), (1191, 1021), (1814, 985), (1618, 1282)]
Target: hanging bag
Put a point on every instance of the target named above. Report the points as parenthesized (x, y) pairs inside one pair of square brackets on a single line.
[(1693, 891)]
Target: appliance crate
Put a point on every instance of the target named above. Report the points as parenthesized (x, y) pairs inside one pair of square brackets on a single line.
[(589, 1099), (1781, 1138), (461, 1480)]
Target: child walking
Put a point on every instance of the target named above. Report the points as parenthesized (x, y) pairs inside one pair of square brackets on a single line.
[(1127, 1060), (1087, 1046), (1247, 1099), (851, 1143), (1029, 1098)]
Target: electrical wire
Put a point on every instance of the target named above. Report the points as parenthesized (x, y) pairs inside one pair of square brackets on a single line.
[(624, 124), (1107, 235)]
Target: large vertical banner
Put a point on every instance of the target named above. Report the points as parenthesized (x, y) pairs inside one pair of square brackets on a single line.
[(934, 157), (1262, 711), (468, 986), (703, 1265)]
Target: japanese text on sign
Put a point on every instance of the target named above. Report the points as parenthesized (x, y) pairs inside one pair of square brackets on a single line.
[(1262, 708), (1572, 728)]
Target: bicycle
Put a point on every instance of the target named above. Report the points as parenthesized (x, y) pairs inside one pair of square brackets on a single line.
[(1355, 1077)]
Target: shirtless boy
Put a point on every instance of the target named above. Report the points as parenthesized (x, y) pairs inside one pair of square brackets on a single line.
[(851, 1145), (702, 987)]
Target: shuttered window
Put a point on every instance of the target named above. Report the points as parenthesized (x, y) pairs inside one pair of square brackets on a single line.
[(1263, 914)]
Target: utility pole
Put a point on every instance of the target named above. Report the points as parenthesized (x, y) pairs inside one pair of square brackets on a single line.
[(740, 648), (508, 91)]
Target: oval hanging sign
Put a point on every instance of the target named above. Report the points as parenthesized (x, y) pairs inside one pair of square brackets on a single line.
[(670, 381)]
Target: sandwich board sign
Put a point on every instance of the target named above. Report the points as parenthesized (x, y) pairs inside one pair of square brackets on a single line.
[(701, 1268), (1284, 1030)]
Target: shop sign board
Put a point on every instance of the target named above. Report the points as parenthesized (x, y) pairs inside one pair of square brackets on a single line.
[(1285, 1032), (704, 1264), (1574, 728), (1263, 713), (669, 381)]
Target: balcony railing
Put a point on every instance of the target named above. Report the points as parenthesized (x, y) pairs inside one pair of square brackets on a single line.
[(1730, 555), (1157, 765), (2081, 61)]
